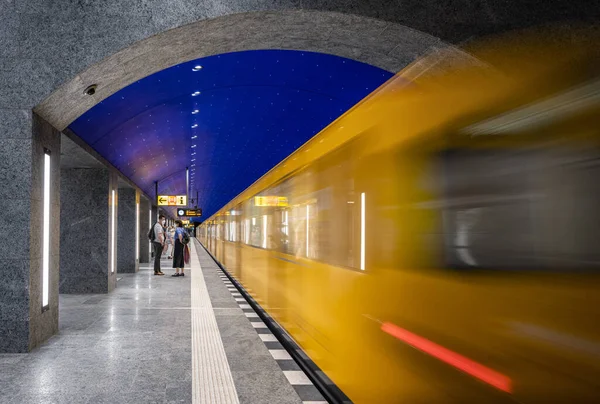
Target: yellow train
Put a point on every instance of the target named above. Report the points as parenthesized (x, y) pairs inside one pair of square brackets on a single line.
[(439, 243)]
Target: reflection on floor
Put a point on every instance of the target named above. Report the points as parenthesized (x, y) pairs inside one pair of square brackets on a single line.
[(129, 346), (134, 346)]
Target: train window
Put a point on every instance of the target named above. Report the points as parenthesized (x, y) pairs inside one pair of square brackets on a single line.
[(246, 230), (518, 209), (318, 221), (226, 231), (256, 231), (293, 227), (314, 214), (487, 215)]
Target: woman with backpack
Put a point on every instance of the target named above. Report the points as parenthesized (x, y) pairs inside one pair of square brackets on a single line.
[(181, 240)]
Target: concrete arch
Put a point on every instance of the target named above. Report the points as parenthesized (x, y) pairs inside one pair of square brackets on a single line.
[(387, 45)]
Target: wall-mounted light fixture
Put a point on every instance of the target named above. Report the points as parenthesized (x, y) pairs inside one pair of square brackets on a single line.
[(151, 224), (46, 233), (112, 232), (137, 230)]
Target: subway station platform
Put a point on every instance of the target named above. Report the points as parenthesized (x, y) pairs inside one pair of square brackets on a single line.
[(159, 339)]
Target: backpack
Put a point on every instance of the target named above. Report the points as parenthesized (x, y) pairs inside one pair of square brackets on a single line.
[(185, 238), (151, 232)]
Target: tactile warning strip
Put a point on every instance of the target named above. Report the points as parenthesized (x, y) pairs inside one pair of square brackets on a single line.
[(212, 382), (306, 390)]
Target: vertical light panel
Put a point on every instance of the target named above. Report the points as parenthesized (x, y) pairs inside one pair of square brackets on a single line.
[(307, 227), (46, 233), (137, 230), (247, 231), (362, 231), (264, 243), (151, 224), (112, 233)]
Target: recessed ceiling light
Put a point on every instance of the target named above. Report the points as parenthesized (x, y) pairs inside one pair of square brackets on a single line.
[(194, 125), (194, 137), (195, 93), (91, 90), (195, 111), (197, 68)]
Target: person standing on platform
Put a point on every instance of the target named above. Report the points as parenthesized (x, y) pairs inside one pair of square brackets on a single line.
[(170, 242), (178, 259), (159, 243)]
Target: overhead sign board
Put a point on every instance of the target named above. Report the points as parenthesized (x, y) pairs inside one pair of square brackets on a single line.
[(172, 200), (270, 201), (189, 212)]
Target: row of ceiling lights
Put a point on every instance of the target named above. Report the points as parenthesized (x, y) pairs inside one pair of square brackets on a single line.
[(194, 126)]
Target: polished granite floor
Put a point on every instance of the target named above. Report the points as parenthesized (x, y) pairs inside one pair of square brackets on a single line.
[(134, 346), (129, 346)]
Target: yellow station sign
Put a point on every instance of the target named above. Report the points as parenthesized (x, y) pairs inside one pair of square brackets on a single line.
[(172, 200), (270, 201), (189, 212)]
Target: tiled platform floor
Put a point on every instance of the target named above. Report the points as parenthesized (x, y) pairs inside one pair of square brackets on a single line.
[(258, 375), (129, 346), (134, 346)]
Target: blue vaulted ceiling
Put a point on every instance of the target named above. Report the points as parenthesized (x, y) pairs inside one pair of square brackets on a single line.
[(229, 117)]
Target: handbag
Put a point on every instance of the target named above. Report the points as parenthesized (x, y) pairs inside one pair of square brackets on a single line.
[(186, 254)]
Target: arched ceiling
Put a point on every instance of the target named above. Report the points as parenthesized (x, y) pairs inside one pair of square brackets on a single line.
[(378, 43), (230, 121), (115, 43)]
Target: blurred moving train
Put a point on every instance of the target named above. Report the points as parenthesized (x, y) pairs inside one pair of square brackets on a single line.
[(439, 242)]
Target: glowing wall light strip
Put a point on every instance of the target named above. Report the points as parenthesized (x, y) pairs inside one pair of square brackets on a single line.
[(460, 362), (46, 233), (264, 243), (151, 224), (137, 230), (247, 230), (362, 231), (112, 233), (307, 227)]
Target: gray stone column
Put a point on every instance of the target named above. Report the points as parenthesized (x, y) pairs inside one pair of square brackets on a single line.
[(127, 232), (24, 323), (154, 219), (86, 230), (144, 229)]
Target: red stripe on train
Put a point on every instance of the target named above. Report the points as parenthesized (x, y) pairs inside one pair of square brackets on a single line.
[(468, 366)]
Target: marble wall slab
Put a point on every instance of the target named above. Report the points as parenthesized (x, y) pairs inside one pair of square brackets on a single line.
[(126, 237), (43, 322), (85, 215), (24, 323)]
